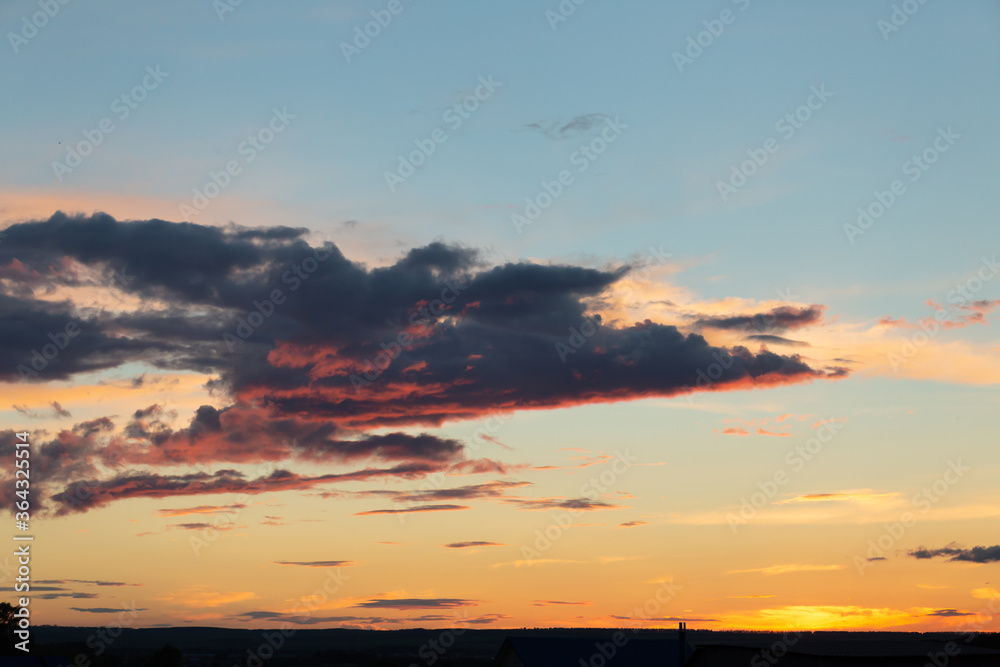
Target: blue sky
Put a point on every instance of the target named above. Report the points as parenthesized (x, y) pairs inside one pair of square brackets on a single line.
[(657, 185)]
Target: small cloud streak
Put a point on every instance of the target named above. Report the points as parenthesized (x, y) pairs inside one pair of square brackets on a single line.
[(317, 563), (948, 613), (200, 509), (788, 568), (761, 431), (418, 603), (411, 510)]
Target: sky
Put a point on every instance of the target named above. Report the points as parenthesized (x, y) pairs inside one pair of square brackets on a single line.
[(402, 314)]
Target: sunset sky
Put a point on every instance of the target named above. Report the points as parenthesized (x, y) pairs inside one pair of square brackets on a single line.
[(503, 314)]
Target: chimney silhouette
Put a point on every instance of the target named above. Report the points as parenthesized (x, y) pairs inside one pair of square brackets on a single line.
[(681, 643)]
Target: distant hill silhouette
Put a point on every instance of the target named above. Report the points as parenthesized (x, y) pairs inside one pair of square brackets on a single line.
[(223, 647)]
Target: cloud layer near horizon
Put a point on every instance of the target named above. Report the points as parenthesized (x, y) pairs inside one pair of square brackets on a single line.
[(311, 350)]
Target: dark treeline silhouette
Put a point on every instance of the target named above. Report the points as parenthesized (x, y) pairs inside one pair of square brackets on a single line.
[(222, 647)]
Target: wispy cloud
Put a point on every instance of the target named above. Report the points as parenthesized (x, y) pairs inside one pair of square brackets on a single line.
[(410, 510), (418, 603), (317, 563), (956, 553), (104, 610), (536, 561), (949, 613), (201, 509), (565, 128), (788, 569)]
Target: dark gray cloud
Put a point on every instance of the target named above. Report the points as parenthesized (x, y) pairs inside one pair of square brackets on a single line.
[(495, 489), (56, 411), (485, 619), (81, 495), (777, 319), (308, 378), (579, 504), (949, 613), (955, 553), (317, 563), (53, 592), (412, 510), (563, 128), (202, 526), (466, 545), (418, 603), (503, 325), (307, 619)]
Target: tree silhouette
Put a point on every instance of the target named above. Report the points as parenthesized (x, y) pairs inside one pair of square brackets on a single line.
[(166, 656), (7, 619)]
